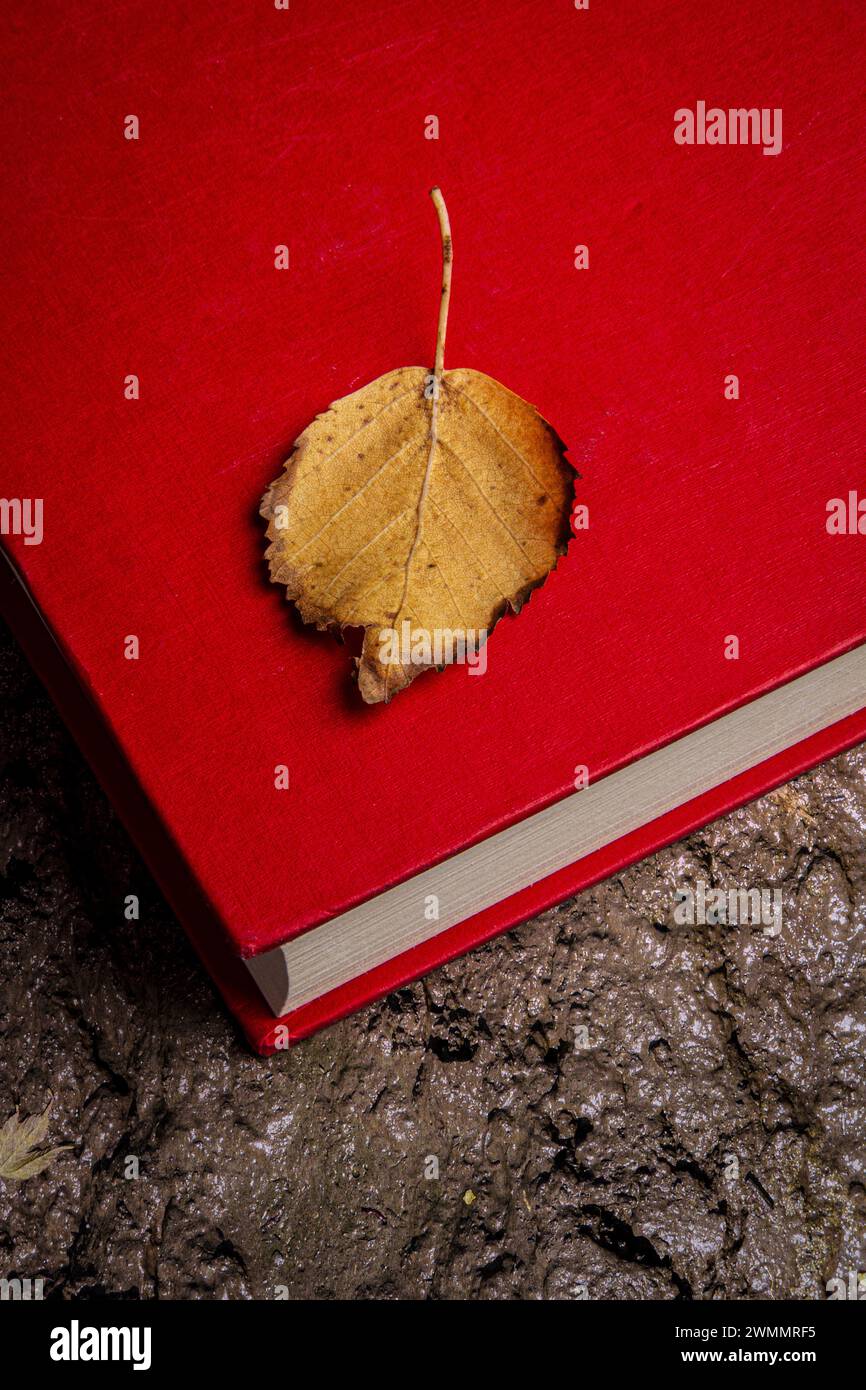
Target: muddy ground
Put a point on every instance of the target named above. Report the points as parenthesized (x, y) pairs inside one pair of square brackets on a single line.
[(617, 1105)]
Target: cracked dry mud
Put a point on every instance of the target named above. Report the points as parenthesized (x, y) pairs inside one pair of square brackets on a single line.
[(604, 1168)]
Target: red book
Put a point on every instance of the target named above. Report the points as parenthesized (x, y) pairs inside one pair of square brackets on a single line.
[(701, 359)]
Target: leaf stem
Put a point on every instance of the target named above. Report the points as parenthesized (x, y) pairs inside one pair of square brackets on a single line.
[(447, 258)]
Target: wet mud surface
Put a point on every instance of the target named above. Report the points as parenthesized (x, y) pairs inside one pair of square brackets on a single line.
[(616, 1105)]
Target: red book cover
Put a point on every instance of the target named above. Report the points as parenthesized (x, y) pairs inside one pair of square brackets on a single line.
[(684, 312)]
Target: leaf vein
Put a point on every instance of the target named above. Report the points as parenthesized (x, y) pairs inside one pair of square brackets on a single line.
[(444, 578), (502, 522), (361, 428), (472, 551), (360, 552), (355, 495), (504, 437)]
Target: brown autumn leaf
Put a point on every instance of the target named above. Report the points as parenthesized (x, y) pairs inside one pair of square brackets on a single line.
[(420, 509), (21, 1152)]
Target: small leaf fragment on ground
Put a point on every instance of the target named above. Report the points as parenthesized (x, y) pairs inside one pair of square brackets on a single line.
[(420, 508), (21, 1152)]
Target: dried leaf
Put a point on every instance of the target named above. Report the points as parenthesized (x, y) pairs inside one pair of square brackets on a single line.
[(20, 1153), (419, 508)]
